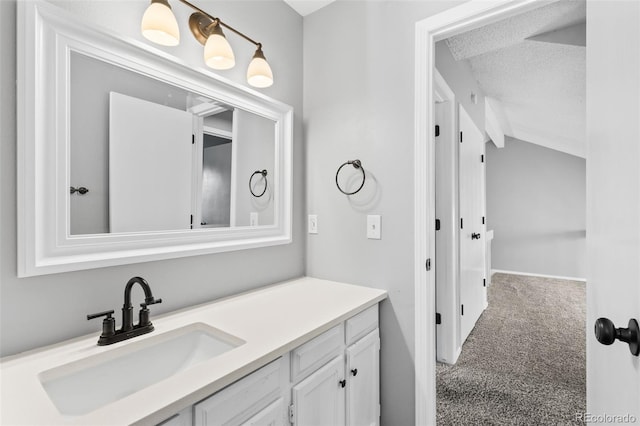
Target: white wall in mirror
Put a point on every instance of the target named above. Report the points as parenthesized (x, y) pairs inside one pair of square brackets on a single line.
[(49, 42)]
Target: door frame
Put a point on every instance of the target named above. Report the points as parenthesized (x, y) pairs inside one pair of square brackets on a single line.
[(467, 16)]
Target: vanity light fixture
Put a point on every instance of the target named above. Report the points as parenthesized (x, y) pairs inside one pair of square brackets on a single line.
[(217, 50), (259, 72), (159, 25)]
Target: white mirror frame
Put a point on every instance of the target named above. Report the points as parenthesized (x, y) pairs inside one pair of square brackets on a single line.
[(46, 36)]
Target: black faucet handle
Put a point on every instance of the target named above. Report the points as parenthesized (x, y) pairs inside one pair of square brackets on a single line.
[(106, 314), (150, 301), (144, 312), (108, 325)]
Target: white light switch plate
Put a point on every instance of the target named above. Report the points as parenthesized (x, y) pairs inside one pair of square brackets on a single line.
[(373, 227), (313, 224), (253, 219)]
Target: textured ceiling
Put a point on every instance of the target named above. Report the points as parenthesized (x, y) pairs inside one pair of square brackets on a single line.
[(538, 85)]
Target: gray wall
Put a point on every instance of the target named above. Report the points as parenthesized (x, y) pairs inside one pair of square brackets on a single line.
[(359, 103), (42, 310), (536, 204), (255, 138), (461, 80)]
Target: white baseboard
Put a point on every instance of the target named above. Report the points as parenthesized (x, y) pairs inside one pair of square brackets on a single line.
[(528, 274)]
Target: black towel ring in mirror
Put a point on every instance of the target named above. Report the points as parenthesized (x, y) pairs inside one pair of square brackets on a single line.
[(264, 175), (356, 165)]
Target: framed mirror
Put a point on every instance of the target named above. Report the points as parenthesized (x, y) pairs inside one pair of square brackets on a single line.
[(126, 155)]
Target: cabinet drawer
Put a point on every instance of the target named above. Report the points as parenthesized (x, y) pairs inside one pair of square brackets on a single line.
[(314, 354), (239, 401), (362, 324)]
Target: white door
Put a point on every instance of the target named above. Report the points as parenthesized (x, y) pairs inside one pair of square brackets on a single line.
[(473, 291), (613, 204), (363, 377), (319, 400), (447, 232), (149, 166)]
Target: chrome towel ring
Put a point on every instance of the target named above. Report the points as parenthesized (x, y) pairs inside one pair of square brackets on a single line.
[(264, 175), (357, 164)]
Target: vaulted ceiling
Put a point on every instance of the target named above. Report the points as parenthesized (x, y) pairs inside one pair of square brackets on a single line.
[(532, 70), (306, 7)]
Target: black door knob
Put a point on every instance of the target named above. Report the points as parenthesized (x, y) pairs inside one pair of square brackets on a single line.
[(607, 333)]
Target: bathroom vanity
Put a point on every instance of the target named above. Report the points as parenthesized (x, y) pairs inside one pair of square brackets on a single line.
[(305, 351)]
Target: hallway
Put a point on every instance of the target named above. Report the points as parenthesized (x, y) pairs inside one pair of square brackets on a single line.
[(524, 362)]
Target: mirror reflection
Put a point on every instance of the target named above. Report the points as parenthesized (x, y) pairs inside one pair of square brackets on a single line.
[(156, 157)]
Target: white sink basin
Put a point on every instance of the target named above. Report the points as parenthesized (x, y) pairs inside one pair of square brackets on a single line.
[(88, 384)]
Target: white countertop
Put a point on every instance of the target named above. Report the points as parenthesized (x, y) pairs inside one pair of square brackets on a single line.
[(272, 320)]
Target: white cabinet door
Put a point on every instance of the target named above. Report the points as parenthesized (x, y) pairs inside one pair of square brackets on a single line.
[(319, 400), (273, 415), (363, 381)]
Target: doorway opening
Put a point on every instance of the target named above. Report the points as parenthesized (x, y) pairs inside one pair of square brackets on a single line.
[(455, 21)]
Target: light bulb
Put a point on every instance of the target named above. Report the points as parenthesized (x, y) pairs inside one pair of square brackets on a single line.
[(217, 50), (259, 72), (159, 24)]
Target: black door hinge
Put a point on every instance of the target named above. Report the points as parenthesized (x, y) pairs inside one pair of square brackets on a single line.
[(193, 139), (438, 319), (428, 264), (437, 224), (191, 221), (437, 130), (484, 282), (483, 220), (460, 137), (461, 309), (482, 158), (461, 224)]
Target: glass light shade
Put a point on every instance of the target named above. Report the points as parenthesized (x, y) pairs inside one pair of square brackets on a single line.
[(218, 53), (159, 24), (259, 72)]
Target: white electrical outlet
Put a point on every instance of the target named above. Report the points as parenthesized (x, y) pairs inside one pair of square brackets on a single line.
[(313, 224), (373, 227), (253, 219)]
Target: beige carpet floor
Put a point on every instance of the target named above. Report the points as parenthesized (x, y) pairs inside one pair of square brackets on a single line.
[(524, 362)]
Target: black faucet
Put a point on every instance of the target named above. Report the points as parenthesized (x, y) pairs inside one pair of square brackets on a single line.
[(110, 334)]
